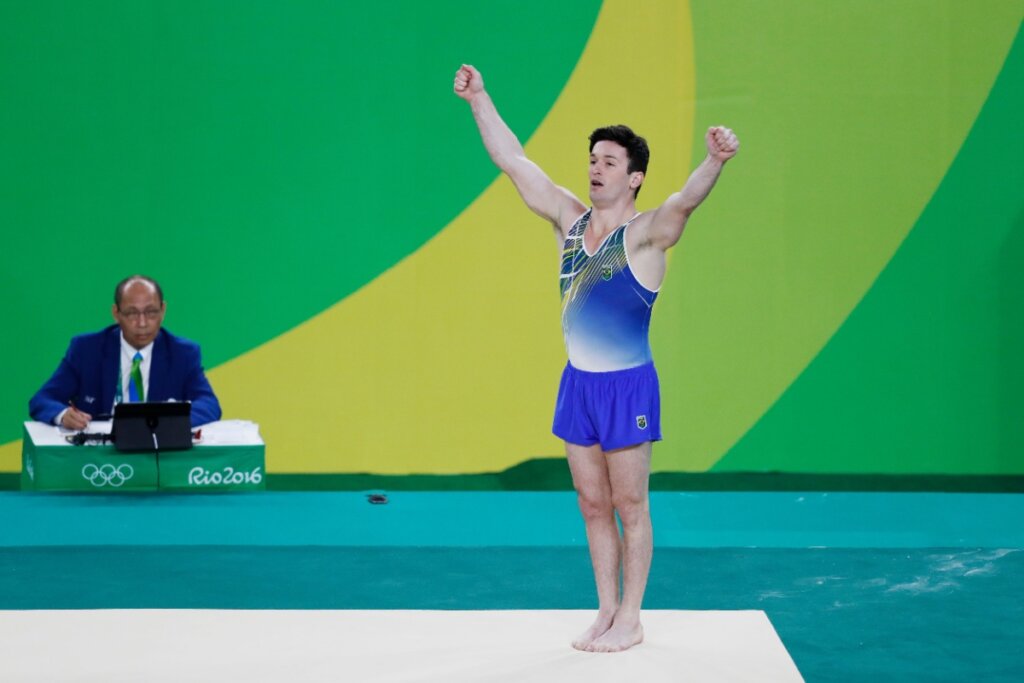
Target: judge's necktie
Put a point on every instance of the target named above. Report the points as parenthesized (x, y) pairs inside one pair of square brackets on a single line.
[(135, 390)]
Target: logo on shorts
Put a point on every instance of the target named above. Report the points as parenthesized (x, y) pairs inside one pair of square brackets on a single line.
[(641, 422), (606, 273)]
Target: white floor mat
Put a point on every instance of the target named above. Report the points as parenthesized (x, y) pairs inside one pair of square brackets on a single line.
[(381, 646)]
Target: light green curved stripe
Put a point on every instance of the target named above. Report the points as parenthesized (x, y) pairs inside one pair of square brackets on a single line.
[(925, 376), (849, 115)]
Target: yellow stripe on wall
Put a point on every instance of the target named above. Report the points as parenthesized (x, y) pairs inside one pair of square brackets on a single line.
[(10, 456), (449, 362)]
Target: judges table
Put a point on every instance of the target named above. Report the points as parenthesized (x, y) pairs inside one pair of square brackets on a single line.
[(229, 456)]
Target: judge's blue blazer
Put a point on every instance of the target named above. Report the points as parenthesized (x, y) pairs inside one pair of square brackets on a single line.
[(88, 376)]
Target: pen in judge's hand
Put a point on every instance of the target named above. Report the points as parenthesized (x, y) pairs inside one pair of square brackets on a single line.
[(74, 418)]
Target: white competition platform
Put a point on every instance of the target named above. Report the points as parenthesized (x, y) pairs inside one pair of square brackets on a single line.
[(381, 646)]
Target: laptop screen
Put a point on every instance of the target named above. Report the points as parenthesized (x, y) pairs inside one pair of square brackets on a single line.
[(152, 426)]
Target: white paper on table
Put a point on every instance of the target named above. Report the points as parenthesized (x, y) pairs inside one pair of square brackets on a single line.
[(222, 433)]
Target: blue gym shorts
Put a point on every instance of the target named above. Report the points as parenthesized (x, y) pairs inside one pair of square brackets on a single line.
[(615, 409)]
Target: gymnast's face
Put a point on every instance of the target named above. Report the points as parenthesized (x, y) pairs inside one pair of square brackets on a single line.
[(609, 172), (140, 313)]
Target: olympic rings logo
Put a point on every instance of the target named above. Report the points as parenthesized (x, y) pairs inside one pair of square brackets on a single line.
[(107, 474)]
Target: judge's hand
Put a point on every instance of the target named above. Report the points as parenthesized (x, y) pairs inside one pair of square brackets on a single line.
[(74, 418)]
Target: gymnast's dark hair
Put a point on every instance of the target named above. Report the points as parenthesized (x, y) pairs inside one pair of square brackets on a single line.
[(637, 150), (119, 290)]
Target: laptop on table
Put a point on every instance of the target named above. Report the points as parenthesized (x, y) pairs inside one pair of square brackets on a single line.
[(152, 426)]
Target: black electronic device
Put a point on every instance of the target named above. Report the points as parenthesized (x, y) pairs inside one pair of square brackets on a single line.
[(152, 426)]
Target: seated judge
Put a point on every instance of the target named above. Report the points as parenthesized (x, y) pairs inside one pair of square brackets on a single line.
[(134, 360)]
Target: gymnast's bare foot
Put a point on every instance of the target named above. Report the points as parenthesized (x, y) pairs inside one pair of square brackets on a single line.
[(623, 635), (598, 628)]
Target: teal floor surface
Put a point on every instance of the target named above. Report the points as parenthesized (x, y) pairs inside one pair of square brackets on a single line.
[(859, 586)]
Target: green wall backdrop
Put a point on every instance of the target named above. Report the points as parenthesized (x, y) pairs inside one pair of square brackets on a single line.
[(324, 220)]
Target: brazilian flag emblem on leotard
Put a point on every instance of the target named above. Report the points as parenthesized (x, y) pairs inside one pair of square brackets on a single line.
[(606, 273), (641, 421)]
